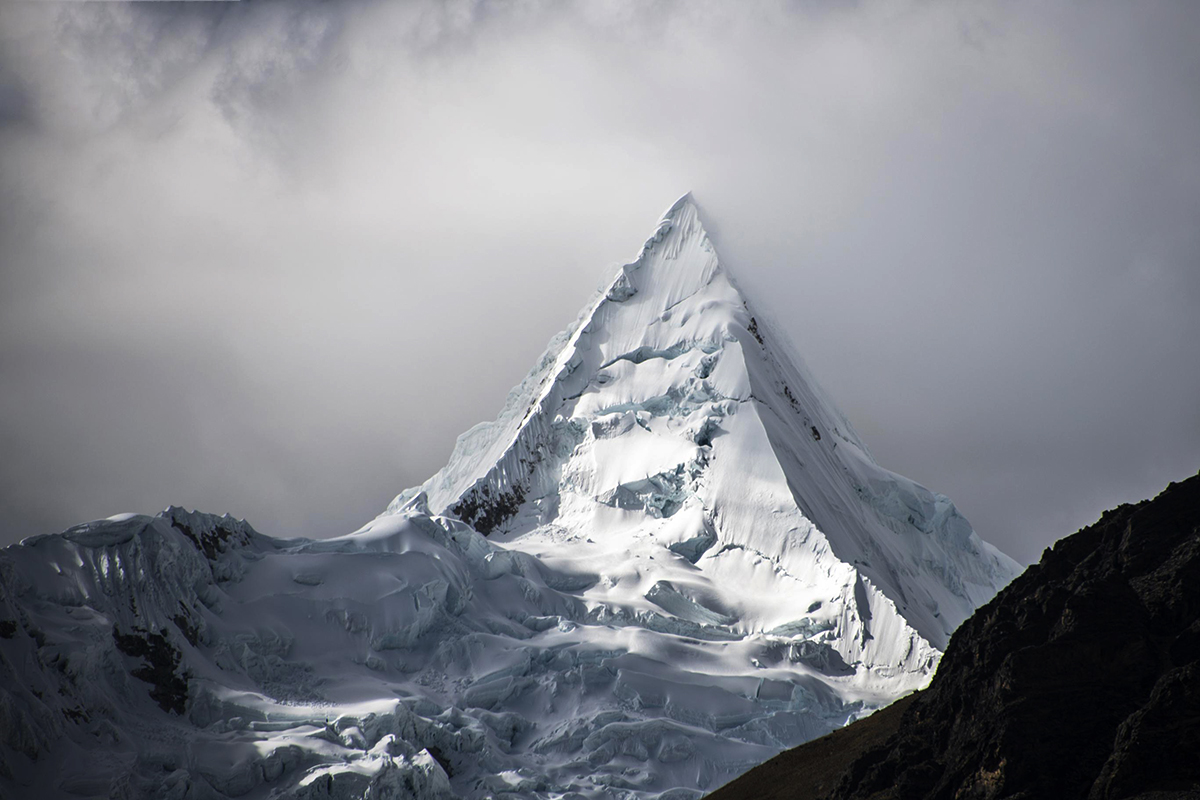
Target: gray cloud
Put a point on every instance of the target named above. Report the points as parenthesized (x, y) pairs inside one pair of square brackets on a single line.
[(271, 259)]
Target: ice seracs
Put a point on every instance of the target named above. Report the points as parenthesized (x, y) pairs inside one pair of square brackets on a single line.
[(669, 558)]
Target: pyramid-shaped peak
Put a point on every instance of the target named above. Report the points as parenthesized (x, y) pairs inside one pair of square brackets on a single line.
[(670, 410), (677, 259), (684, 205), (680, 223)]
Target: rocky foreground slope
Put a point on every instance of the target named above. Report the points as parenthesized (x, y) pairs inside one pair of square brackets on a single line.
[(1080, 680)]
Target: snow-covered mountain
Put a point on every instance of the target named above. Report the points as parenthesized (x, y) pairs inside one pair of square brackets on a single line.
[(667, 560)]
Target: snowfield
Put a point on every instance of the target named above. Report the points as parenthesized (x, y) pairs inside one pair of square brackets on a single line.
[(668, 559)]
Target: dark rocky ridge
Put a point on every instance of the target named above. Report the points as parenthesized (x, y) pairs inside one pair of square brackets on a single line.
[(1079, 680)]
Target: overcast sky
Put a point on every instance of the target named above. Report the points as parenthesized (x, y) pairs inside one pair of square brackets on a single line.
[(271, 259)]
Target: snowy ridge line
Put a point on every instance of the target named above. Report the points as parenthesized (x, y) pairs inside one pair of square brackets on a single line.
[(690, 564)]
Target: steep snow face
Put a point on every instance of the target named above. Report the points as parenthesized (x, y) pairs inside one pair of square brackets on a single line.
[(669, 559), (670, 421)]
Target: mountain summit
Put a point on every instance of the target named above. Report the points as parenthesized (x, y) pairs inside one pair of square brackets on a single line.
[(668, 559), (670, 416)]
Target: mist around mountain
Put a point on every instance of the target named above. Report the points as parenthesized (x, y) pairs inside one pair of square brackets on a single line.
[(668, 559), (1081, 679)]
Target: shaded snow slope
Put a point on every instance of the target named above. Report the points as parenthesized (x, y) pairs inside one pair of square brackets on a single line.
[(690, 564)]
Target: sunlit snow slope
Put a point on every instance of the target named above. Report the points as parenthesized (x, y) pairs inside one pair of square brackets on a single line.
[(690, 563)]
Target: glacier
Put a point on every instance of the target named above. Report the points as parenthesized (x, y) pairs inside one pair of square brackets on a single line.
[(668, 559)]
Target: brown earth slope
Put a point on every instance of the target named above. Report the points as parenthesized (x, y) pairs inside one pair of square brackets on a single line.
[(1079, 680)]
